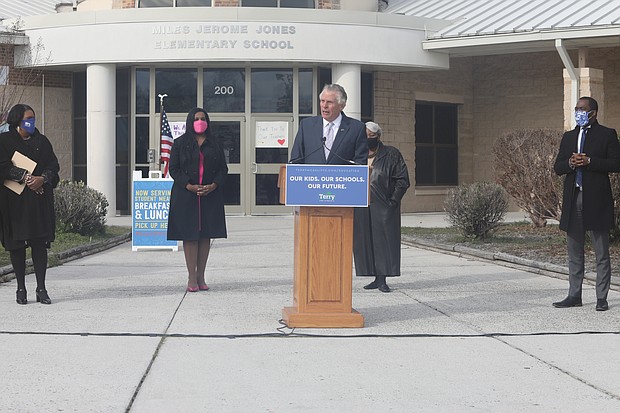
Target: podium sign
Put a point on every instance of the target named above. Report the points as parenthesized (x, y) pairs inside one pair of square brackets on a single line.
[(150, 205), (326, 185), (324, 197)]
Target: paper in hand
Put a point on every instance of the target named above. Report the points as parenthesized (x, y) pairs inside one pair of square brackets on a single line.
[(21, 161)]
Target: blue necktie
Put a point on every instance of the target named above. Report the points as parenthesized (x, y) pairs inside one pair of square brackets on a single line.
[(579, 178)]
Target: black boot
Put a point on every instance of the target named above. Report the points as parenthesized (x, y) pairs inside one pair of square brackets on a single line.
[(22, 297), (18, 260), (372, 286), (382, 285), (42, 297)]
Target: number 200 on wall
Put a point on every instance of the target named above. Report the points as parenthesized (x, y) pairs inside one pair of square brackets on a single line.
[(224, 90)]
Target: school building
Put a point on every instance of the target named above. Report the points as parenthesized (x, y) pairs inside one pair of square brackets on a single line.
[(443, 78)]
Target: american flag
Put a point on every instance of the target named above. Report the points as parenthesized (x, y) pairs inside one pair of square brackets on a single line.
[(166, 142)]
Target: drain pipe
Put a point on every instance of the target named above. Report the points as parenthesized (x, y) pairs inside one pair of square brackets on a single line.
[(572, 72)]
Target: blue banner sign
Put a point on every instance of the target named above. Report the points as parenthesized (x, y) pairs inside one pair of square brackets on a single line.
[(150, 205), (327, 185)]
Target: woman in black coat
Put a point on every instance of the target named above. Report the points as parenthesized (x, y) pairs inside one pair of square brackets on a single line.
[(198, 167), (376, 240), (28, 218)]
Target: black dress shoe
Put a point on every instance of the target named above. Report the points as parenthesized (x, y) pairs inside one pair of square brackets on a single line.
[(568, 302), (384, 288), (42, 297), (372, 286), (21, 297), (601, 305)]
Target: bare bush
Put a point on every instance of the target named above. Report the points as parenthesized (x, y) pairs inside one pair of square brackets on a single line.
[(476, 209), (524, 162), (79, 208)]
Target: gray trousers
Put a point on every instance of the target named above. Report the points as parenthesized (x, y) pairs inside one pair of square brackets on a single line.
[(575, 239)]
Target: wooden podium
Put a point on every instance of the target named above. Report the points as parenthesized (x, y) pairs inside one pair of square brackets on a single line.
[(323, 264)]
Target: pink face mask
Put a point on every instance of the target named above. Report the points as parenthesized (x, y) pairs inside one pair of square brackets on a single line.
[(200, 126)]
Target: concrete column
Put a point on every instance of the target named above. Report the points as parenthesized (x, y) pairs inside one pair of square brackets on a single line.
[(350, 78), (101, 131), (571, 89), (591, 84)]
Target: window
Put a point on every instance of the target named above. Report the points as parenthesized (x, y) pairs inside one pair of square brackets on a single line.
[(297, 4), (155, 3), (272, 90), (174, 3), (306, 92), (292, 4), (79, 126), (436, 137), (4, 75), (193, 3), (180, 85), (123, 100), (142, 90), (367, 96), (224, 90)]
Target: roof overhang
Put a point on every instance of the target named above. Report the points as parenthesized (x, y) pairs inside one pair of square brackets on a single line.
[(228, 35), (526, 42), (14, 39)]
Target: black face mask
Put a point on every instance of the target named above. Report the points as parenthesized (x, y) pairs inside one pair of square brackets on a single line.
[(372, 143)]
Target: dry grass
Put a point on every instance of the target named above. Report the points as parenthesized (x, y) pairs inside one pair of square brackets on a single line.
[(521, 239)]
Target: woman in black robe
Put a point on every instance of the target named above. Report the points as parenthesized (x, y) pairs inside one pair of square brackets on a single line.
[(196, 216), (28, 218), (376, 241)]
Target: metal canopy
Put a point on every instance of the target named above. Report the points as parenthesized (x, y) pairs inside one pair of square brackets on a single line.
[(22, 8), (482, 27)]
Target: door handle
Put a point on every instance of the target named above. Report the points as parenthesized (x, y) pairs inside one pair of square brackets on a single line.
[(254, 168)]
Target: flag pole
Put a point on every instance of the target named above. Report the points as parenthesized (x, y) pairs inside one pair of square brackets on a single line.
[(161, 115)]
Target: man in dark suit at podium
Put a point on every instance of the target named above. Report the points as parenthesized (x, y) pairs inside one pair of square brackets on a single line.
[(333, 137)]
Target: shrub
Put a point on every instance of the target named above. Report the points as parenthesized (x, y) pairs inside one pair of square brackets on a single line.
[(79, 209), (524, 162), (476, 209)]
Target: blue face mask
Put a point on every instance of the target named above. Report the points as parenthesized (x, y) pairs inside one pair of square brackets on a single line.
[(582, 118), (28, 125)]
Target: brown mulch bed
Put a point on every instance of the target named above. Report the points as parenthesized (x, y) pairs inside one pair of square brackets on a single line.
[(521, 239)]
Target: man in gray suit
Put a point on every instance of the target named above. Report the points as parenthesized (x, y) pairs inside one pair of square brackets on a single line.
[(333, 137)]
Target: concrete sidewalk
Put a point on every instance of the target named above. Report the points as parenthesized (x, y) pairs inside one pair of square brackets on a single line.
[(455, 335)]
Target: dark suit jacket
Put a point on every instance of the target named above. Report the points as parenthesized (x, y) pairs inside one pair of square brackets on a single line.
[(601, 145), (349, 144)]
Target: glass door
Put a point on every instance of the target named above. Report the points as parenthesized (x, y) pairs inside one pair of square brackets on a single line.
[(270, 140), (229, 132)]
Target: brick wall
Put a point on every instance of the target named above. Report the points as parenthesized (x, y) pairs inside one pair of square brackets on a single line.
[(28, 77), (329, 4), (55, 122), (225, 3), (395, 97), (496, 94), (608, 60), (514, 92), (6, 55)]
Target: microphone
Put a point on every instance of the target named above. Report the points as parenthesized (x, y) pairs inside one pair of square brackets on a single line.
[(323, 139), (338, 156)]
